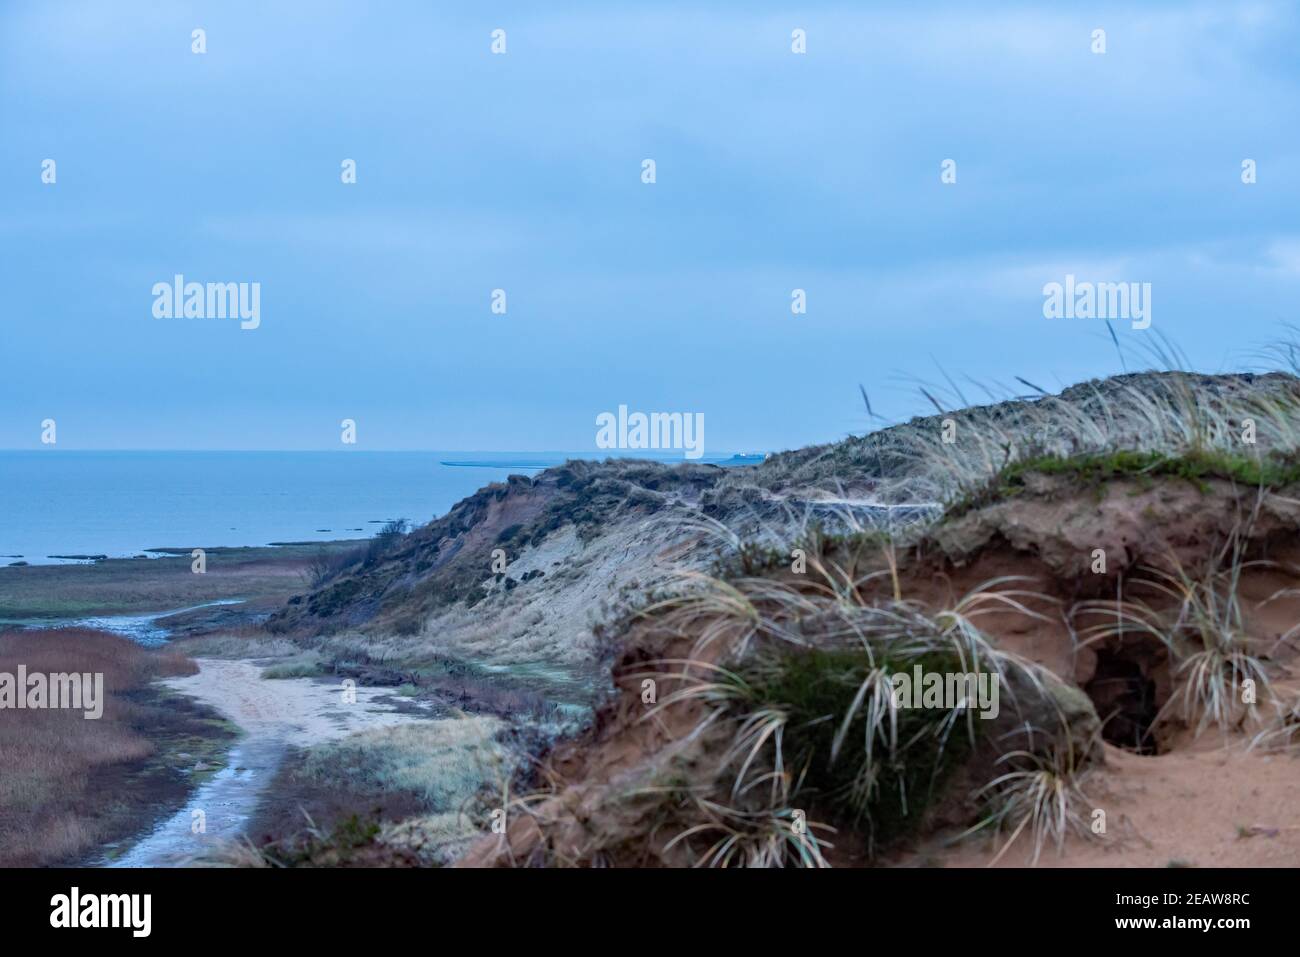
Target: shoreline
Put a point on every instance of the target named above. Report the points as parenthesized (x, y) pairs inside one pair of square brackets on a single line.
[(261, 577)]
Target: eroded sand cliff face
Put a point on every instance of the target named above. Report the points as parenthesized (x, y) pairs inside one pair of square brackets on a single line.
[(598, 556)]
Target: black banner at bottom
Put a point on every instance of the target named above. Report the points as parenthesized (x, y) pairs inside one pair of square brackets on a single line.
[(372, 907)]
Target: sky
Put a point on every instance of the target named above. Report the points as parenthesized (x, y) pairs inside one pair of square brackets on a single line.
[(523, 171)]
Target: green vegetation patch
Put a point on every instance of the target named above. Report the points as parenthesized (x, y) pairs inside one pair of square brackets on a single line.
[(1095, 471), (306, 665), (889, 769)]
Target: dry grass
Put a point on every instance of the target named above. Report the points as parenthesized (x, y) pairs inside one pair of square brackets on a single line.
[(248, 641), (1043, 792), (1282, 733), (129, 585), (1175, 413), (778, 689), (437, 762), (1165, 409), (783, 719), (810, 707), (1198, 615), (49, 808), (406, 795)]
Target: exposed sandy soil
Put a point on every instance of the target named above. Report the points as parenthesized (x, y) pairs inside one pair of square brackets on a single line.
[(1201, 807), (1198, 801), (1201, 801), (301, 711)]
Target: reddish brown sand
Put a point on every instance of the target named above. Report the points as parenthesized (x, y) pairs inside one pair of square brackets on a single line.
[(1201, 805)]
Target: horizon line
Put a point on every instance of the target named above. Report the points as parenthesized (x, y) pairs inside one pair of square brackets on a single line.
[(625, 453)]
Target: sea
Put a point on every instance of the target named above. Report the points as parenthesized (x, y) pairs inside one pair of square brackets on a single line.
[(67, 506)]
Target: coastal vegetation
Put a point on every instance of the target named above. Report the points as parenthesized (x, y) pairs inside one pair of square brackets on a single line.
[(147, 749), (645, 664), (259, 577), (774, 739)]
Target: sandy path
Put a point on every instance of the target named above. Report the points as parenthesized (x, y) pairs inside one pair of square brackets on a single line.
[(274, 715), (307, 710)]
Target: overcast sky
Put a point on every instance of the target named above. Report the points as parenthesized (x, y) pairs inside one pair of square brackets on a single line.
[(523, 172)]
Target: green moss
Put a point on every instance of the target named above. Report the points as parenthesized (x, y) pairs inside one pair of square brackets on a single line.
[(1096, 471), (351, 841)]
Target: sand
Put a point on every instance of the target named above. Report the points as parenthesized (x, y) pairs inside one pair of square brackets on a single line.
[(274, 715), (1202, 806), (301, 711)]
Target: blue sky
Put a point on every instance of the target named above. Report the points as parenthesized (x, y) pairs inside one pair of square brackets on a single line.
[(775, 171)]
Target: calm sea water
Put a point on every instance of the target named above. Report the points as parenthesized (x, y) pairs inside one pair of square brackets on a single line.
[(121, 503)]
